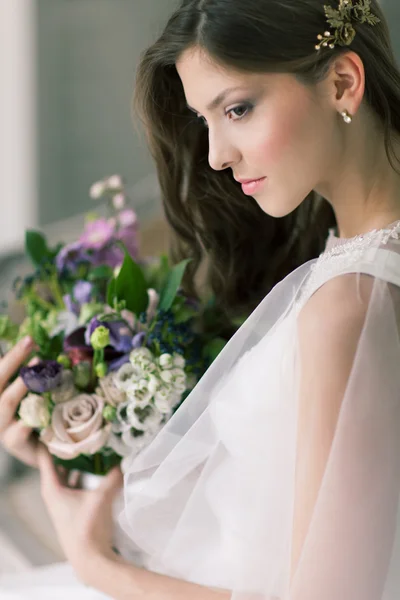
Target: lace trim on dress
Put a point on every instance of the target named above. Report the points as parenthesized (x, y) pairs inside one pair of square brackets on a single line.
[(340, 255)]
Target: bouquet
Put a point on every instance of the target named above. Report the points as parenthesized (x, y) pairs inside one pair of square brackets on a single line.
[(120, 344)]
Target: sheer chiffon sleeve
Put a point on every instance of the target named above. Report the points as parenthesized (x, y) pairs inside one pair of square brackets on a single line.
[(279, 477), (348, 444)]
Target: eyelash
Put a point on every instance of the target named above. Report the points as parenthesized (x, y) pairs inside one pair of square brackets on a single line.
[(248, 107)]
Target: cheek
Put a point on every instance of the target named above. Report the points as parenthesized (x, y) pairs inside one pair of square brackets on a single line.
[(284, 137)]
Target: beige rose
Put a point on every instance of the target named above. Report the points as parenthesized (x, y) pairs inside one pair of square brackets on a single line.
[(109, 390), (77, 427)]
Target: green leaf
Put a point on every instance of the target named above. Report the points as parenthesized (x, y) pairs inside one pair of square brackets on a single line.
[(184, 314), (130, 285), (97, 464), (213, 348), (36, 247), (173, 284), (101, 272), (111, 292)]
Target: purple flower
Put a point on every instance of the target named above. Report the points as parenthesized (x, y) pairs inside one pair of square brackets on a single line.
[(111, 255), (97, 234), (137, 341), (70, 305), (70, 256), (82, 292), (128, 231), (116, 364), (78, 350), (120, 333), (42, 377)]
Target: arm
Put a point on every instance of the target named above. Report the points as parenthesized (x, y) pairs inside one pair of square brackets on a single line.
[(330, 325), (123, 581)]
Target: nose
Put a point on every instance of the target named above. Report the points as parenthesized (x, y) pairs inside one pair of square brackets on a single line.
[(222, 154)]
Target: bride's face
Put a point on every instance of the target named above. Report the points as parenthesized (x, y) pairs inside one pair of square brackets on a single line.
[(261, 126)]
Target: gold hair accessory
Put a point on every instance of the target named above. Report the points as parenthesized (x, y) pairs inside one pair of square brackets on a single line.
[(347, 118), (340, 20)]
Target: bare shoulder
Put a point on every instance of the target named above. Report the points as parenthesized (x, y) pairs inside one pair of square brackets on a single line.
[(337, 310)]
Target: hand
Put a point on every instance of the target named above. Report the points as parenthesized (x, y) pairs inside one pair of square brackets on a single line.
[(82, 519), (16, 437)]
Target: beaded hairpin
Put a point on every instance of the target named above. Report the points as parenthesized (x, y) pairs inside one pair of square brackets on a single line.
[(340, 20)]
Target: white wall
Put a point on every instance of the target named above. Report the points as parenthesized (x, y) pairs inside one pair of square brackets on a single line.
[(18, 185)]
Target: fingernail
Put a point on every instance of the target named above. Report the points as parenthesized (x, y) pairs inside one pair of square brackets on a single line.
[(28, 342), (34, 361)]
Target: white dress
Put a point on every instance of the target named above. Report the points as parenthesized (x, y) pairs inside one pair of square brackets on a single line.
[(212, 499)]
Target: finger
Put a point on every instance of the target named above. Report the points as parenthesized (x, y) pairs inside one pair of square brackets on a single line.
[(16, 436), (14, 358), (73, 479), (112, 482), (9, 402), (50, 483)]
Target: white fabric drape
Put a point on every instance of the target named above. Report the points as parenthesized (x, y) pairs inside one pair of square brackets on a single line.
[(212, 499)]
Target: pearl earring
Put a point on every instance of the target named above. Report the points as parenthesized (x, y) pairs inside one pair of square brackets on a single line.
[(347, 118)]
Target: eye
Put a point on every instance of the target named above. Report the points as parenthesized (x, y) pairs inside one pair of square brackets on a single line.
[(239, 112)]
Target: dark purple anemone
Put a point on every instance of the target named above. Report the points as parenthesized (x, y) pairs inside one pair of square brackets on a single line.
[(42, 377)]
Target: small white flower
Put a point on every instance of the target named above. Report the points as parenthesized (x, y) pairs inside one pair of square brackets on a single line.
[(176, 378), (139, 353), (114, 182), (34, 411), (97, 190), (147, 366), (139, 393), (179, 378), (178, 360), (124, 377), (153, 384), (163, 399), (166, 361), (118, 201), (166, 376)]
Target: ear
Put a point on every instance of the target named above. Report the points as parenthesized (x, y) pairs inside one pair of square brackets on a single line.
[(346, 81)]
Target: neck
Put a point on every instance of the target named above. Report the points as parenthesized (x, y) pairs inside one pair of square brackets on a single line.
[(364, 189)]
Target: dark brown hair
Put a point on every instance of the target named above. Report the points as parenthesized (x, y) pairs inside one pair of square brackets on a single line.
[(246, 251)]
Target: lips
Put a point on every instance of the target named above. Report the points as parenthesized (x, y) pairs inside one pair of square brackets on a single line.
[(252, 186)]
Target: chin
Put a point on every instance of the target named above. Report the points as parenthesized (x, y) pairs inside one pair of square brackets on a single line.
[(277, 209)]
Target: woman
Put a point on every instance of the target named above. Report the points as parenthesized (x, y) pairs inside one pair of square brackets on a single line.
[(279, 476)]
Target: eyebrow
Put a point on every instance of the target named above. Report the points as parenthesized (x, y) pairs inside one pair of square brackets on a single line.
[(219, 99)]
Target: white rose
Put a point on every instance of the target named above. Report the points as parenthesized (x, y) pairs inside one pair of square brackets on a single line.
[(166, 361), (77, 427), (107, 388), (97, 190), (34, 411)]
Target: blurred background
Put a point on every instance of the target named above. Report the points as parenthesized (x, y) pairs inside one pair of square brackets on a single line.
[(67, 70)]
